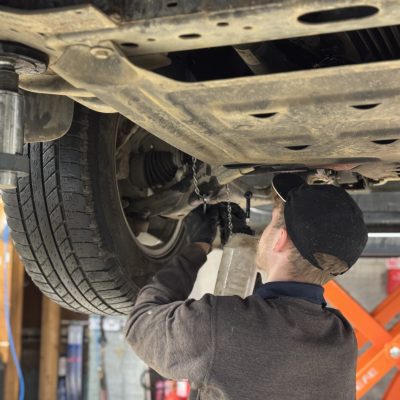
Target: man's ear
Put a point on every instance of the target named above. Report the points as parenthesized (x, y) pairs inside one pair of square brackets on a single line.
[(282, 241)]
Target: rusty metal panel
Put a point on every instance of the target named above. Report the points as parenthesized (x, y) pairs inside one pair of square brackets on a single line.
[(47, 117), (219, 121), (40, 29), (313, 117), (196, 25), (191, 24)]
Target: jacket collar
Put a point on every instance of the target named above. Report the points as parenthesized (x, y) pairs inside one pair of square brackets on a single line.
[(306, 291)]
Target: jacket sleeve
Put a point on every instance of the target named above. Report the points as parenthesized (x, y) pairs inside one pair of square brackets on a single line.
[(172, 335)]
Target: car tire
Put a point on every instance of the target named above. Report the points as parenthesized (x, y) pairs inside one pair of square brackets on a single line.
[(68, 224)]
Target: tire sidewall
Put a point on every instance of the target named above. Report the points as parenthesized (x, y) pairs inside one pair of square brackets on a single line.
[(117, 236)]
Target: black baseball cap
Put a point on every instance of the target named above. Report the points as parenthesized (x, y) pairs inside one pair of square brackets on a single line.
[(321, 219)]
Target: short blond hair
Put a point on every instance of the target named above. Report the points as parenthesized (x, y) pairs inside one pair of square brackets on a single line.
[(302, 268)]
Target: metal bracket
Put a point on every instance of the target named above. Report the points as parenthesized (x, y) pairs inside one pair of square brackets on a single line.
[(15, 163), (46, 117)]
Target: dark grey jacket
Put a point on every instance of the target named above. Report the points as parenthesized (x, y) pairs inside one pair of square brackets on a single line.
[(279, 348)]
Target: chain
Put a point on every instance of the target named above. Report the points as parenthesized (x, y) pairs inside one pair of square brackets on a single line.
[(229, 209), (202, 197), (195, 181)]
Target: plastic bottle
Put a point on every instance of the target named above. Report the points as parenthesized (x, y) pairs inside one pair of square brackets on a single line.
[(237, 271)]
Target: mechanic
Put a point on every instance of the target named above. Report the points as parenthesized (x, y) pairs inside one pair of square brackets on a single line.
[(282, 342)]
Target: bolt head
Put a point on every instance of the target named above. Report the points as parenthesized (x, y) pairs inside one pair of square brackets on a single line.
[(395, 352), (101, 53)]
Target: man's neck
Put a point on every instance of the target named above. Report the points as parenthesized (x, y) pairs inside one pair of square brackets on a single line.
[(281, 274), (285, 278)]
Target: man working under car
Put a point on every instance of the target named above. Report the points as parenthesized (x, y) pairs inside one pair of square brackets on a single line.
[(278, 344)]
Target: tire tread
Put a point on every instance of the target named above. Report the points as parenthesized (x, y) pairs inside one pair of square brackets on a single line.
[(52, 222)]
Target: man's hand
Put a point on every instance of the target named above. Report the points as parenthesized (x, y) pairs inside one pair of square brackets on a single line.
[(238, 221), (202, 228)]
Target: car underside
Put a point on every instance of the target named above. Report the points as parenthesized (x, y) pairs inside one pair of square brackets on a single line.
[(133, 114)]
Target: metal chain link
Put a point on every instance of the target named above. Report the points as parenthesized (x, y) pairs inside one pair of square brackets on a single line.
[(195, 181), (202, 197), (229, 209)]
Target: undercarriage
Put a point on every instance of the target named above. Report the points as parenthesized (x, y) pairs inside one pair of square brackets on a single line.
[(133, 114)]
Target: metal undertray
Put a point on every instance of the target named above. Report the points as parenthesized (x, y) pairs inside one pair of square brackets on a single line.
[(305, 117)]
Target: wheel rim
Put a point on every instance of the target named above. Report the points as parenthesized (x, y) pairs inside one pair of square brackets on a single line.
[(163, 234)]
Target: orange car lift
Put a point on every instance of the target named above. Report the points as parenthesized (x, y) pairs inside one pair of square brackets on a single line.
[(384, 351)]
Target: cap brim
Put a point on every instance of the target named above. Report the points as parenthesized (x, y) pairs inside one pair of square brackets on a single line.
[(284, 183)]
